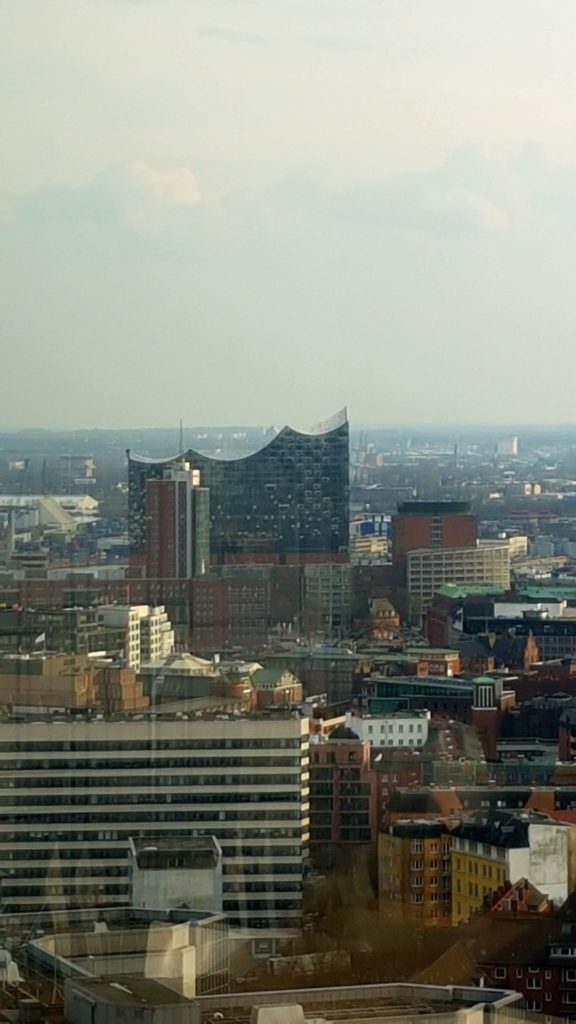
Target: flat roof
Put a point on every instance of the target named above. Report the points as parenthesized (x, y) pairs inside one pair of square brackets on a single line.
[(125, 990)]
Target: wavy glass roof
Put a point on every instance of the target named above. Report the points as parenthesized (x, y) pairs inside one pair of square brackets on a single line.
[(335, 422)]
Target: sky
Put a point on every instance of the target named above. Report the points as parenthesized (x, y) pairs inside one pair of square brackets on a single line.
[(257, 211)]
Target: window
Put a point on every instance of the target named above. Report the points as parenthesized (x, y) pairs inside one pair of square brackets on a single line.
[(500, 972), (533, 983), (417, 897)]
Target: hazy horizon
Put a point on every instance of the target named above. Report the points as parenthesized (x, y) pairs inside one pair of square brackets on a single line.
[(239, 211)]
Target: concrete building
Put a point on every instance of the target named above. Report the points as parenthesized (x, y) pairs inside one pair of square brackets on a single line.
[(396, 1002), (185, 950), (176, 871), (414, 869), (429, 569), (148, 633), (326, 598), (399, 729), (74, 791)]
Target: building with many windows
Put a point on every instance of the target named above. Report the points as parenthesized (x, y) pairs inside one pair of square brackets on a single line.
[(147, 632), (429, 569), (414, 869), (74, 791), (343, 793), (399, 729), (287, 502)]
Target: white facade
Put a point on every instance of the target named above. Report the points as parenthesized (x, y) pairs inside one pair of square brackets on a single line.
[(149, 634), (507, 447), (397, 730), (73, 793), (545, 862), (429, 569), (173, 873)]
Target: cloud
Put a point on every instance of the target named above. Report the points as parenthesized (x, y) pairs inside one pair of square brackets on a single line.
[(118, 202), (229, 35), (344, 43), (471, 194), (174, 187)]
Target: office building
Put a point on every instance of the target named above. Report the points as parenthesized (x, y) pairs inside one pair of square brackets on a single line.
[(414, 869), (428, 569), (185, 950), (92, 1002), (177, 511), (74, 791), (287, 502), (432, 524), (326, 599)]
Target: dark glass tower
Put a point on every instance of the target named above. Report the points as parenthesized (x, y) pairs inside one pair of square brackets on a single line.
[(288, 501)]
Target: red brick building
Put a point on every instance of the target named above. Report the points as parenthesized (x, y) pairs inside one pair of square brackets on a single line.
[(343, 794), (431, 524)]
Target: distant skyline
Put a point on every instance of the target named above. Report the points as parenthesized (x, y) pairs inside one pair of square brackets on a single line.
[(247, 211)]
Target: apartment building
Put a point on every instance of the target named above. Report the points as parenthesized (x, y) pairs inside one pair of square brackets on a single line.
[(501, 847), (398, 729), (343, 793), (414, 869), (74, 791), (148, 633)]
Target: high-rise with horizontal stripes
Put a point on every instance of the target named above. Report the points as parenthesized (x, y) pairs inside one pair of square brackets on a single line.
[(73, 791)]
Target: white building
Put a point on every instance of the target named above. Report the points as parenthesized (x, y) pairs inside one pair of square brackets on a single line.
[(507, 447), (177, 871), (74, 791), (399, 729), (149, 634), (428, 569)]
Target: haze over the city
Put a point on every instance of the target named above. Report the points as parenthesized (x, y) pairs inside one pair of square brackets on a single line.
[(258, 212)]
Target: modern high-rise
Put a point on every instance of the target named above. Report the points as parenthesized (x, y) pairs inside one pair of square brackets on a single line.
[(177, 515), (73, 792), (287, 503)]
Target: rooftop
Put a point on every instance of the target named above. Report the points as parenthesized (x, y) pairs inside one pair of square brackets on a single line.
[(127, 991)]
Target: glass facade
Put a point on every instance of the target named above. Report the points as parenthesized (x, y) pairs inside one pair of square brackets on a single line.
[(289, 498)]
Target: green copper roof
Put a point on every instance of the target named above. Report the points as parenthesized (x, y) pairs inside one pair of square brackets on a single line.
[(561, 593), (470, 590)]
